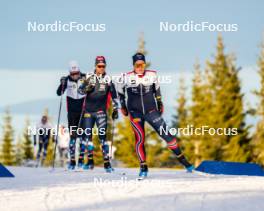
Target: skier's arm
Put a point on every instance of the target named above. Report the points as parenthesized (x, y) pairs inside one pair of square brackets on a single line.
[(157, 93), (114, 100), (114, 95), (122, 96), (63, 82)]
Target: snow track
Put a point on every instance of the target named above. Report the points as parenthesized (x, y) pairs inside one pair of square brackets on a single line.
[(38, 189)]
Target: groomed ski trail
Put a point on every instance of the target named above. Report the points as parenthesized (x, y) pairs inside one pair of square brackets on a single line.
[(39, 189)]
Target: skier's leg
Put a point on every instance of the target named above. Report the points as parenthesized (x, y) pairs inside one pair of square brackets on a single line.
[(88, 124), (101, 122), (82, 143), (40, 145), (45, 149), (138, 122), (73, 135), (82, 150), (157, 122), (61, 156)]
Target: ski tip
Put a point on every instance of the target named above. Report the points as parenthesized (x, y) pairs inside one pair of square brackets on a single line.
[(141, 178)]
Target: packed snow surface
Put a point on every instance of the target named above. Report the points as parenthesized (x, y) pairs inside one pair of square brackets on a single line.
[(42, 189)]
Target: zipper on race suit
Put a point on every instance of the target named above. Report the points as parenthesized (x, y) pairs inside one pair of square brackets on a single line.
[(141, 95)]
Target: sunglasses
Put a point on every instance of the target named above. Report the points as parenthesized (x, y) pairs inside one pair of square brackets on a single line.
[(101, 66), (139, 65), (75, 73)]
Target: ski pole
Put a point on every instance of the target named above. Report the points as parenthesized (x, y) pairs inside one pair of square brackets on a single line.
[(58, 122), (112, 139), (82, 113), (80, 119)]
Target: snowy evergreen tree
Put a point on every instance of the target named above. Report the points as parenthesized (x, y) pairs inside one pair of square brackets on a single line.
[(28, 151), (258, 137), (19, 152), (227, 108), (7, 148)]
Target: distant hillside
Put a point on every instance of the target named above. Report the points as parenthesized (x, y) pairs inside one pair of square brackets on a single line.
[(36, 107)]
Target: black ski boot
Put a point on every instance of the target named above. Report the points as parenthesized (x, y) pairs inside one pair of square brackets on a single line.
[(189, 167), (71, 165), (143, 173), (89, 164), (107, 166)]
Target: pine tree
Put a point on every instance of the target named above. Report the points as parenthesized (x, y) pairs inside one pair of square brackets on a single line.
[(7, 149), (196, 117), (27, 146), (50, 151), (180, 119), (19, 152), (227, 108), (258, 137), (141, 47)]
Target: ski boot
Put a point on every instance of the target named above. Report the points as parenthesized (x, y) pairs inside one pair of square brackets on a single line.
[(80, 164), (107, 166), (190, 169), (89, 164), (37, 164), (143, 173), (71, 165)]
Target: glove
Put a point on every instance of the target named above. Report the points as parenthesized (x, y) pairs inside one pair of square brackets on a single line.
[(89, 88), (115, 114), (124, 111), (63, 80), (160, 106)]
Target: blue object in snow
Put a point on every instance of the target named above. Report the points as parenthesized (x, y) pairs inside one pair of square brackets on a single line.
[(230, 168)]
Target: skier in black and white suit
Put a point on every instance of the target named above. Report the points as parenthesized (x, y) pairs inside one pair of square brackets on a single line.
[(75, 101)]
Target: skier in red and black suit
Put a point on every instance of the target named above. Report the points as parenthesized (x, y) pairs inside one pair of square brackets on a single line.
[(144, 104)]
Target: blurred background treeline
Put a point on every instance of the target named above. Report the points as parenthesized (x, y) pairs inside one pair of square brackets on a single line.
[(216, 101)]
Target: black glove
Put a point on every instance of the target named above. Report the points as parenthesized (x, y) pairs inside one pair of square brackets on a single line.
[(115, 114), (160, 106), (63, 80)]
